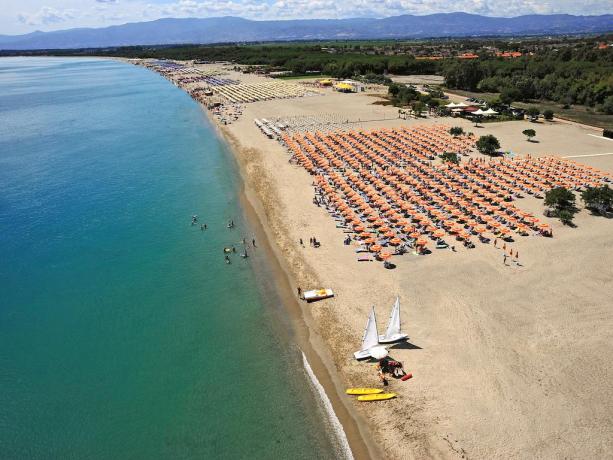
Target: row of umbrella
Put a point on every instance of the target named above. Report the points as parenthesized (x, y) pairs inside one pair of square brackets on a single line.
[(386, 187)]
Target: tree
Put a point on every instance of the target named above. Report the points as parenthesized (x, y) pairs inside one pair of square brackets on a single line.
[(598, 199), (529, 133), (488, 144), (418, 107), (509, 95), (607, 105), (450, 157), (562, 203), (456, 131), (566, 216), (548, 114), (533, 112)]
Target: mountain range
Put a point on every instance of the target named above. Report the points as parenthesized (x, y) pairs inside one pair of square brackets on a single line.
[(232, 29)]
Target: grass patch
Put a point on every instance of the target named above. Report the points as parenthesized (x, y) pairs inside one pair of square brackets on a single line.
[(576, 113)]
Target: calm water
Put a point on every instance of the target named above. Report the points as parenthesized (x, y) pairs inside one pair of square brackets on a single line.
[(123, 334)]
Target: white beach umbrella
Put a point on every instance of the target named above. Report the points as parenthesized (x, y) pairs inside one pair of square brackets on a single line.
[(479, 112), (451, 105), (490, 112), (378, 352)]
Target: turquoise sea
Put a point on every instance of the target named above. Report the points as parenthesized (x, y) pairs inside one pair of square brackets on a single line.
[(123, 333)]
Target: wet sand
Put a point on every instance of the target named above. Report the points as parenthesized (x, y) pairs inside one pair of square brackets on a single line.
[(304, 332)]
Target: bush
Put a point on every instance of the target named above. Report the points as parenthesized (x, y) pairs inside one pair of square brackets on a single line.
[(562, 203), (566, 217), (529, 133), (607, 105), (533, 112), (488, 144), (450, 157), (598, 199), (456, 131), (548, 114), (608, 133), (560, 198)]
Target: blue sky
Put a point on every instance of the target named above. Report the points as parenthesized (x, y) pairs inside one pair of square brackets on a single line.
[(22, 16)]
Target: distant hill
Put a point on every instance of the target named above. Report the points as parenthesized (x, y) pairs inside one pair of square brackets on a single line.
[(233, 29)]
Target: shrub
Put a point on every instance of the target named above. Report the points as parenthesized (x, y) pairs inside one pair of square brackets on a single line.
[(533, 112), (607, 105), (548, 114), (598, 199), (608, 133), (450, 157), (566, 217), (529, 133), (562, 203), (488, 144), (456, 131)]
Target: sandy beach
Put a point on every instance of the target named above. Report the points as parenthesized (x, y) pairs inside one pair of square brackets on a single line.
[(508, 361)]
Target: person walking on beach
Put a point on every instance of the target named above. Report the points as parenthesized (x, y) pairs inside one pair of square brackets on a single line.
[(253, 242), (301, 243), (299, 292), (495, 242), (504, 259)]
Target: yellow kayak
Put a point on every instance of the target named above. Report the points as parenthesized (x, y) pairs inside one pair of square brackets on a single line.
[(363, 391), (377, 397)]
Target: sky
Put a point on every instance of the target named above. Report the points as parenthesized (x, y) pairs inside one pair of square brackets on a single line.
[(23, 16)]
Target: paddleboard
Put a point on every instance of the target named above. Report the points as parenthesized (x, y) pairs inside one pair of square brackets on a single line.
[(363, 391), (377, 397), (406, 377)]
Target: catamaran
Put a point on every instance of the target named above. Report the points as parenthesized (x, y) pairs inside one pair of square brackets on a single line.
[(393, 333), (370, 339)]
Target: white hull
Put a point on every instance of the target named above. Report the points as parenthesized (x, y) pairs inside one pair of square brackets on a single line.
[(394, 338), (317, 294), (363, 354), (369, 340)]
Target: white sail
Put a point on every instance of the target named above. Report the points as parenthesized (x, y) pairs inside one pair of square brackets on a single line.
[(371, 337), (393, 327), (394, 333)]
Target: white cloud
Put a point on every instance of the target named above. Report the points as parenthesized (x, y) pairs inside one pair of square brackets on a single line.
[(20, 16), (47, 16)]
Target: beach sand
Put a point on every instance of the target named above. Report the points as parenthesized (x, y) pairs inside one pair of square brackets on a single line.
[(508, 361)]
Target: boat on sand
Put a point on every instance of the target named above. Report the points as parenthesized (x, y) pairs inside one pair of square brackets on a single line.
[(370, 340), (317, 294), (393, 332)]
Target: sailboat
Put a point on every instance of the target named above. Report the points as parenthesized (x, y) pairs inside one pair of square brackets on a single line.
[(370, 339), (393, 332)]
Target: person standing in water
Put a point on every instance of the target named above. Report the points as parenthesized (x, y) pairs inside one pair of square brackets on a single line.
[(253, 241)]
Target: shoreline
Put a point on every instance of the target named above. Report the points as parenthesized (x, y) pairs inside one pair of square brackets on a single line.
[(305, 333), (460, 345), (303, 325)]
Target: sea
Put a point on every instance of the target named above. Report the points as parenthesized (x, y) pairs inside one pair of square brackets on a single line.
[(124, 334)]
